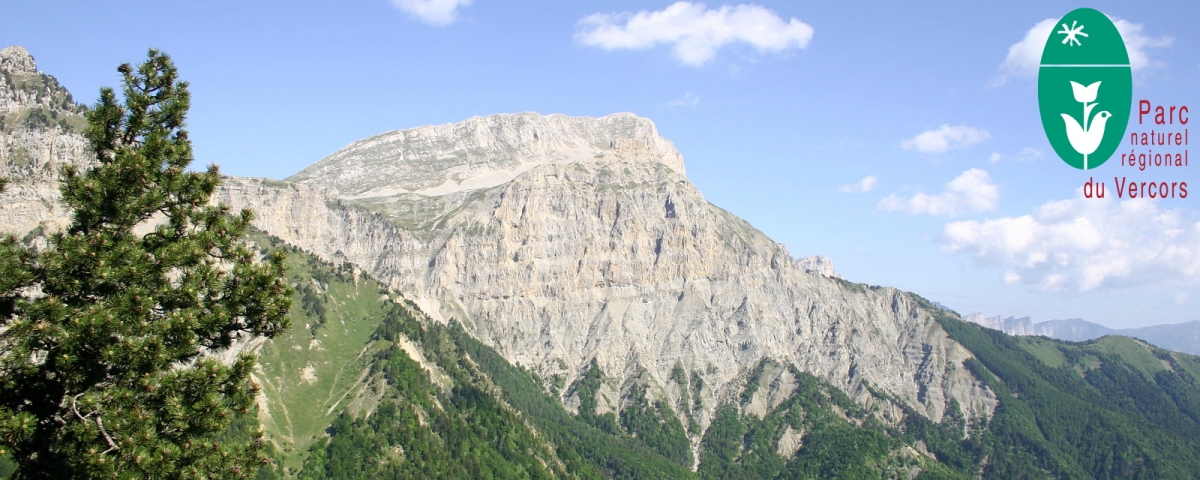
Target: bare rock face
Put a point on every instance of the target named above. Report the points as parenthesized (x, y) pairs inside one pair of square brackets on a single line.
[(1010, 325), (40, 130), (609, 255), (817, 263)]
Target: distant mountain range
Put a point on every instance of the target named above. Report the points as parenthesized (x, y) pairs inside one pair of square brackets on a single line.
[(1181, 337)]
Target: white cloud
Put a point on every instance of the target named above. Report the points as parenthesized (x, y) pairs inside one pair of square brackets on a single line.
[(689, 100), (1027, 154), (973, 191), (1136, 43), (1025, 56), (1011, 277), (865, 185), (945, 138), (1084, 244), (438, 13), (695, 31)]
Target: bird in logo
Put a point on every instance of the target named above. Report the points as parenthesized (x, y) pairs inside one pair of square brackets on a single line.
[(1085, 138)]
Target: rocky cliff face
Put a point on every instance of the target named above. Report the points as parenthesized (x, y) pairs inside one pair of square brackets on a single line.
[(40, 130), (1010, 325), (608, 253)]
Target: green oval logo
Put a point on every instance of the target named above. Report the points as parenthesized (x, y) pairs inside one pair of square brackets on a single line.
[(1085, 88)]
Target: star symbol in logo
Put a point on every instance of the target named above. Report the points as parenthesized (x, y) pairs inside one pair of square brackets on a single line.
[(1071, 33)]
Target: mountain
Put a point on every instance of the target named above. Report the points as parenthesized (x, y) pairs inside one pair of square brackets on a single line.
[(600, 250), (1181, 337), (539, 296)]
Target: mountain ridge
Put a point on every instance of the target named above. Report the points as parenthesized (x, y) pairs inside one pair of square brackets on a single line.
[(1180, 337)]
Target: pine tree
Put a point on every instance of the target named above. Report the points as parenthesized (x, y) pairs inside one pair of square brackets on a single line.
[(103, 333)]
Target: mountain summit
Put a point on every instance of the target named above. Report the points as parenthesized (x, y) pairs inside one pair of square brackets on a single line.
[(483, 152), (41, 128)]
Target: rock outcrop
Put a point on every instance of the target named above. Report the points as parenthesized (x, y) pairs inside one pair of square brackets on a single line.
[(40, 130), (817, 263), (1010, 325)]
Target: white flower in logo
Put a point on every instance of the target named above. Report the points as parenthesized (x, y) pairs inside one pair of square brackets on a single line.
[(1085, 94), (1086, 138)]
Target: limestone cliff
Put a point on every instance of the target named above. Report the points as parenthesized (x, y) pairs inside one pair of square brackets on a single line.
[(608, 253)]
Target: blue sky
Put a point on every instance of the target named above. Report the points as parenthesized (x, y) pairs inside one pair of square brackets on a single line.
[(901, 139)]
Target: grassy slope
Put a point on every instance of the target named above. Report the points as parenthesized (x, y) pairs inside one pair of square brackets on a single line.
[(312, 372)]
